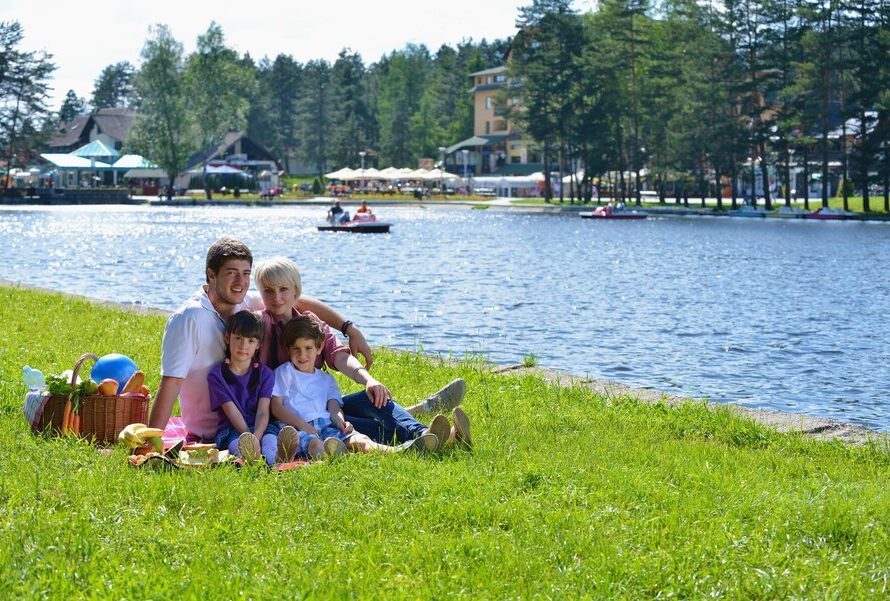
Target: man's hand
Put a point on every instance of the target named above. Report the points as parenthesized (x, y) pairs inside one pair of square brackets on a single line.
[(346, 428)]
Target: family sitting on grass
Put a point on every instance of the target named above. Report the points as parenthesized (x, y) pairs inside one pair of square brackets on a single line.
[(219, 350)]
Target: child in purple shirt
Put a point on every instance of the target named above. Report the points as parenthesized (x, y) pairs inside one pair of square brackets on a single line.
[(240, 391)]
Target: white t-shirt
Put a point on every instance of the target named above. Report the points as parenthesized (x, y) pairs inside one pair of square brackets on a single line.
[(306, 394), (193, 343)]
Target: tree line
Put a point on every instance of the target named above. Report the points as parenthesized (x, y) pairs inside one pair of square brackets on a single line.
[(703, 92), (696, 92)]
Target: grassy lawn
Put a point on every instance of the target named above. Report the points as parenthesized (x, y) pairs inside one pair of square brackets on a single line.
[(567, 494)]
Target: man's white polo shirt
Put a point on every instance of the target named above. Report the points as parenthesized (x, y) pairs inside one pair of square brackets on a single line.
[(193, 343)]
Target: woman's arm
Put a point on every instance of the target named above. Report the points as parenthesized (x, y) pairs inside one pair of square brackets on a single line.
[(289, 417), (357, 343), (262, 417), (352, 368)]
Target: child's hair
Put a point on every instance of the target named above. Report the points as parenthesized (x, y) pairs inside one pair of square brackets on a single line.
[(302, 326), (278, 270), (244, 323), (224, 249)]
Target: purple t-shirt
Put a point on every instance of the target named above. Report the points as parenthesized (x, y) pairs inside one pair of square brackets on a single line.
[(245, 391)]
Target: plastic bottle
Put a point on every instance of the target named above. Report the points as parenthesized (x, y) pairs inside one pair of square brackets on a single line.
[(34, 379)]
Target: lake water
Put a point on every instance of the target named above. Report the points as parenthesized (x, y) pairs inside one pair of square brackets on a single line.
[(788, 315)]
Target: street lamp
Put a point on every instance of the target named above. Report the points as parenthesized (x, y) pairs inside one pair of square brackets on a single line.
[(441, 168), (362, 154), (466, 153)]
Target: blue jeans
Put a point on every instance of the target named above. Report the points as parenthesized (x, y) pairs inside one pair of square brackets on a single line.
[(391, 422), (227, 440)]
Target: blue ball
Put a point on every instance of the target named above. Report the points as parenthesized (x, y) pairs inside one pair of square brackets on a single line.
[(115, 366)]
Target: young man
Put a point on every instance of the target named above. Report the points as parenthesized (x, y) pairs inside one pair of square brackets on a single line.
[(193, 337)]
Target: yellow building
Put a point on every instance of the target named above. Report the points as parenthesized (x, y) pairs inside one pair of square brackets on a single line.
[(497, 146)]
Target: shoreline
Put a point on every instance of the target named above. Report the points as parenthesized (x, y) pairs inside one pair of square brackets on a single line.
[(497, 204), (820, 428)]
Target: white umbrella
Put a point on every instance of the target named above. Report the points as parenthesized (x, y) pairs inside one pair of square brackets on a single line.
[(344, 174), (439, 174), (391, 173), (417, 174)]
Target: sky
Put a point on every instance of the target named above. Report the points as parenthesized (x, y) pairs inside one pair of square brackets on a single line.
[(84, 36)]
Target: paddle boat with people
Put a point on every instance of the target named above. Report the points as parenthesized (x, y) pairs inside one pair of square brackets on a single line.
[(363, 222), (613, 212)]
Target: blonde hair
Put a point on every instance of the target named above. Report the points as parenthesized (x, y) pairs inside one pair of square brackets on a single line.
[(278, 270)]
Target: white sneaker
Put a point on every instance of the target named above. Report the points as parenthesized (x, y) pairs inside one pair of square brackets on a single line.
[(448, 398)]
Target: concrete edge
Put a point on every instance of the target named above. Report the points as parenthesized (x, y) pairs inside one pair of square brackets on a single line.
[(820, 428)]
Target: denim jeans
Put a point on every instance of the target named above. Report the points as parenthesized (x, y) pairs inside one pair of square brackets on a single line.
[(227, 439), (391, 422)]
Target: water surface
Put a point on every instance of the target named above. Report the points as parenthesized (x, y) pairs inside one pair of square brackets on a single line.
[(787, 315)]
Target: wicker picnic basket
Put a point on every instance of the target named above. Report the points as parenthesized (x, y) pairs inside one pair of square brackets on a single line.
[(101, 417)]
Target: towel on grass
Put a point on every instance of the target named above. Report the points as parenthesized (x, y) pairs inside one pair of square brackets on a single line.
[(35, 401)]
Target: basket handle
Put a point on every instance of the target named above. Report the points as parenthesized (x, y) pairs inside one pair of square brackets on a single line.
[(77, 365)]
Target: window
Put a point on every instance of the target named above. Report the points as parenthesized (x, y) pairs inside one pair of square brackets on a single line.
[(488, 127), (488, 102), (500, 78), (516, 159)]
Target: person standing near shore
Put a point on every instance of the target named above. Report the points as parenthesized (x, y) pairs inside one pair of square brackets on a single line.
[(194, 337)]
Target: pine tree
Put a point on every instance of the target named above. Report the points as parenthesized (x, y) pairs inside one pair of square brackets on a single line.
[(72, 106)]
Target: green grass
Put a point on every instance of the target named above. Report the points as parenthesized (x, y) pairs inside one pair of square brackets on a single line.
[(567, 494)]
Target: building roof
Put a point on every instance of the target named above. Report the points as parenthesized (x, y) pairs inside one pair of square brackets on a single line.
[(70, 161), (96, 149), (252, 149), (134, 161), (113, 122), (491, 71), (72, 132), (145, 174), (476, 141)]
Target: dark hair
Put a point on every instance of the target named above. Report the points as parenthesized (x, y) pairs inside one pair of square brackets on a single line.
[(244, 323), (302, 326), (224, 249)]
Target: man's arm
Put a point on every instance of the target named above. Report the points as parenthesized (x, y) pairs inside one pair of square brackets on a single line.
[(163, 405), (357, 343)]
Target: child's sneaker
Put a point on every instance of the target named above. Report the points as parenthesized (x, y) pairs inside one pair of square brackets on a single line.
[(249, 447), (461, 427), (334, 447), (288, 443), (440, 428)]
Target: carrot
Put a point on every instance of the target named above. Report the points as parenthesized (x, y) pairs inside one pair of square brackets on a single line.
[(75, 417), (66, 417)]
